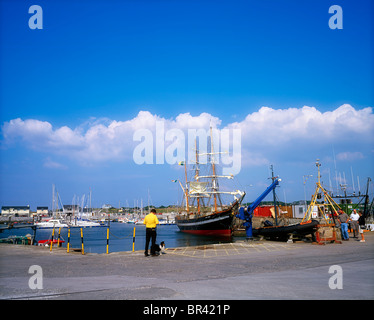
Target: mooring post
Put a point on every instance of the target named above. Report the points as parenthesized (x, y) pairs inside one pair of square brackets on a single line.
[(133, 241), (68, 245), (82, 240), (53, 233), (58, 239), (107, 240)]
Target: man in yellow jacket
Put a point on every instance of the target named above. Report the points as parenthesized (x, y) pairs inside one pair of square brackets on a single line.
[(150, 222)]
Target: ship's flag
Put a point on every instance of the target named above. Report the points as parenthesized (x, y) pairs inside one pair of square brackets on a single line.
[(174, 180), (181, 163)]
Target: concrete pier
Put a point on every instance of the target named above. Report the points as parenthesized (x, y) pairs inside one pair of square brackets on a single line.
[(242, 270)]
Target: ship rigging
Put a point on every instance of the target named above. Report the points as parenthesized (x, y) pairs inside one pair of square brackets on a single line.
[(204, 210)]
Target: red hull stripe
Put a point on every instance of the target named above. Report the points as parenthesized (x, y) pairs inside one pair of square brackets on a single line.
[(223, 232)]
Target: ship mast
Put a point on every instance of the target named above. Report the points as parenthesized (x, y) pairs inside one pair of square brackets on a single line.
[(200, 189), (214, 181), (197, 176), (186, 190), (327, 200)]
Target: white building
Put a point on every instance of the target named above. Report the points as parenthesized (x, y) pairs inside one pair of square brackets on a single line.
[(15, 210), (43, 211)]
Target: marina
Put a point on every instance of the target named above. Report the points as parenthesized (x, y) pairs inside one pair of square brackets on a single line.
[(210, 250), (120, 237), (258, 256), (117, 233)]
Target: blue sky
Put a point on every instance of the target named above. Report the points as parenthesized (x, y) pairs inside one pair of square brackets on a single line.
[(95, 62)]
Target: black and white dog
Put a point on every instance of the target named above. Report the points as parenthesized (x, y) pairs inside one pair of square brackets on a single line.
[(159, 248), (162, 247)]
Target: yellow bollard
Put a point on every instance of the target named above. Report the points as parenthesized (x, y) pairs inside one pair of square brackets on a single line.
[(58, 239), (133, 241), (53, 233), (68, 246), (107, 241), (82, 240)]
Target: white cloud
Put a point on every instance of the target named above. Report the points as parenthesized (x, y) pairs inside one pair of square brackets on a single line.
[(273, 127), (38, 134), (349, 156), (100, 140), (204, 121), (48, 163), (95, 141)]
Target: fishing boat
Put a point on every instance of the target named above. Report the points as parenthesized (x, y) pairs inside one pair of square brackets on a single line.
[(203, 211), (283, 232), (307, 226)]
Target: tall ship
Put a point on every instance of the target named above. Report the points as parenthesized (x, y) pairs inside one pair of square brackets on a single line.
[(203, 210)]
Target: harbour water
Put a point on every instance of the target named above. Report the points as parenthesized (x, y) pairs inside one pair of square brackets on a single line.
[(120, 237)]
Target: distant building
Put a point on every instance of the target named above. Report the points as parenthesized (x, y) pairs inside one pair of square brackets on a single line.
[(43, 211), (15, 210), (70, 209)]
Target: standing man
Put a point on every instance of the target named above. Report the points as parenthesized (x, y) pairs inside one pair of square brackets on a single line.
[(150, 222), (343, 218), (354, 219)]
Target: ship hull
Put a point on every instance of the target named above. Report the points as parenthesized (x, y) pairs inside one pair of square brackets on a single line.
[(279, 232), (215, 224)]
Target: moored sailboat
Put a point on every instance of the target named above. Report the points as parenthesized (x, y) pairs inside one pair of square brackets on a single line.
[(204, 211)]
